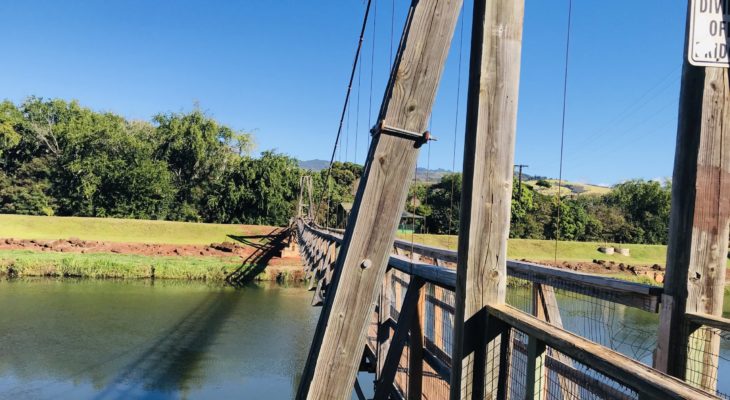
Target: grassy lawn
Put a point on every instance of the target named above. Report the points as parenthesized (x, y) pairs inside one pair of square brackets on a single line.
[(537, 250), (121, 230), (106, 265)]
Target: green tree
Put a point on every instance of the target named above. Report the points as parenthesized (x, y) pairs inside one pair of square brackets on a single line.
[(10, 120), (646, 207), (444, 199), (198, 152)]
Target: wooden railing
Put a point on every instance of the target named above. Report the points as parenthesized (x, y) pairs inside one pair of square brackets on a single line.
[(408, 343)]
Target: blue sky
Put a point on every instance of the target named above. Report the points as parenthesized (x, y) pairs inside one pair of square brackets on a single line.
[(280, 69)]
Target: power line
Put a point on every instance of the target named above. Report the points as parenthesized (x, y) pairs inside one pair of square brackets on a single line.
[(519, 184), (663, 84)]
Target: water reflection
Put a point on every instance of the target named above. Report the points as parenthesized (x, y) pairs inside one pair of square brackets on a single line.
[(113, 340)]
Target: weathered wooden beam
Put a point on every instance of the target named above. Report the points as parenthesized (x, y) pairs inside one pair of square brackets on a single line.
[(408, 311), (340, 334), (415, 351), (545, 308), (384, 318), (535, 382), (631, 373), (494, 74), (699, 225), (632, 294), (711, 321)]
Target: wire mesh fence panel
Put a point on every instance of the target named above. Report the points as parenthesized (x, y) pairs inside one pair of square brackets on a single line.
[(569, 379), (708, 359), (516, 380), (592, 313)]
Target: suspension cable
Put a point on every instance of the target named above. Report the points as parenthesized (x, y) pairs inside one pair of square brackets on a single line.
[(357, 110), (372, 68), (392, 29), (344, 107), (456, 127), (562, 128)]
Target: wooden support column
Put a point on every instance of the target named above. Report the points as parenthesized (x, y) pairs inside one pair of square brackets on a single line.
[(384, 325), (341, 332), (408, 312), (698, 236), (415, 351), (536, 381), (486, 195)]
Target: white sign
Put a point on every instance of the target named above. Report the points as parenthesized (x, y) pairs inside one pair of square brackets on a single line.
[(709, 33)]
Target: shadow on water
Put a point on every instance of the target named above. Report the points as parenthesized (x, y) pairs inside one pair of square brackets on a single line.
[(166, 365), (255, 263)]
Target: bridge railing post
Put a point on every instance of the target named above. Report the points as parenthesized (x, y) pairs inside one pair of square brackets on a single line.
[(491, 119), (699, 223)]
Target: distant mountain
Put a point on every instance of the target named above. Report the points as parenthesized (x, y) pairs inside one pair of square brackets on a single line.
[(314, 165), (430, 175), (422, 174)]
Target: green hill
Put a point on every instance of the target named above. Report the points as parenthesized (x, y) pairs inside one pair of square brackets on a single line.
[(568, 188)]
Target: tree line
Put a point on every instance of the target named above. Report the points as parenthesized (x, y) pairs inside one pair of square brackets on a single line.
[(634, 211), (60, 158)]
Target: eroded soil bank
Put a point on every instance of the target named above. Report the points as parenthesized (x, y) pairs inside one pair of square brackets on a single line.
[(267, 257)]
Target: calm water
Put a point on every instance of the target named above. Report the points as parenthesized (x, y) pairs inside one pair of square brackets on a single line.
[(167, 340), (66, 339)]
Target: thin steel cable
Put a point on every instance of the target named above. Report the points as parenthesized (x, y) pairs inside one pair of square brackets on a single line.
[(347, 135), (392, 30), (357, 112), (562, 128), (344, 107), (372, 69), (456, 127)]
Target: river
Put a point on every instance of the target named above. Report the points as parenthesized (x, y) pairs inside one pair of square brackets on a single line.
[(96, 339), (103, 339)]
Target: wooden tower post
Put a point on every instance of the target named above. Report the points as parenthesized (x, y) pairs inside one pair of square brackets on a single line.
[(698, 236), (339, 339), (496, 47)]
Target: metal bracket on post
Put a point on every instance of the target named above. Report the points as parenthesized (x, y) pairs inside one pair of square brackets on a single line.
[(419, 138)]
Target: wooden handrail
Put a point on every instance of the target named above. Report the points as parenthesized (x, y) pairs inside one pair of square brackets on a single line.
[(635, 375), (633, 294), (712, 321)]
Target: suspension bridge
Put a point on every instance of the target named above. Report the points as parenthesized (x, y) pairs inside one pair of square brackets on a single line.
[(471, 324)]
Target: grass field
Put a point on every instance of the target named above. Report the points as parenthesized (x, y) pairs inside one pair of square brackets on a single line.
[(121, 230), (110, 265), (107, 265), (539, 250)]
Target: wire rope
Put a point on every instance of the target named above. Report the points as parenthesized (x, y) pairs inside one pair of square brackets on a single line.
[(456, 128), (562, 128), (344, 107)]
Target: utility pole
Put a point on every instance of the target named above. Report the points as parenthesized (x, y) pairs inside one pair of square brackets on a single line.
[(339, 339), (519, 185)]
